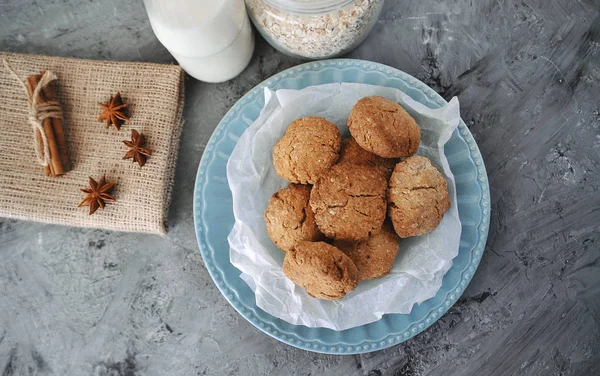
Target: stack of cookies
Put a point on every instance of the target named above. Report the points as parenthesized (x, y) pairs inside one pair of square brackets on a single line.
[(349, 201)]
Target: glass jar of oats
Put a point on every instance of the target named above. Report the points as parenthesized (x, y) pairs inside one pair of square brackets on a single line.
[(314, 29)]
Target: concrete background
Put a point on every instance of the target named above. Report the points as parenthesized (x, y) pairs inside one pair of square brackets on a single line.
[(527, 73)]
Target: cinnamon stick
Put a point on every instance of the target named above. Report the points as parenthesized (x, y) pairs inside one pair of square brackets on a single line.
[(32, 82), (57, 126), (57, 146)]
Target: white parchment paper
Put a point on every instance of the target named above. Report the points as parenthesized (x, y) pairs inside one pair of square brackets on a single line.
[(422, 261)]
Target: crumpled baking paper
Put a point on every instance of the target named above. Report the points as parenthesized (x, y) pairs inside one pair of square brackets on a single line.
[(422, 261)]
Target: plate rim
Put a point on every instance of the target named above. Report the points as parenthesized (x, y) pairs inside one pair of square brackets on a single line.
[(317, 345)]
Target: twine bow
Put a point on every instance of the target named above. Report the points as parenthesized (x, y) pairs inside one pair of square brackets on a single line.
[(38, 112)]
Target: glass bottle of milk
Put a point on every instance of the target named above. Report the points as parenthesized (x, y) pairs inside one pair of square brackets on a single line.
[(211, 39)]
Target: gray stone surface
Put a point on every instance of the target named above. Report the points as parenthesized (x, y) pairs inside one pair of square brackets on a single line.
[(527, 73)]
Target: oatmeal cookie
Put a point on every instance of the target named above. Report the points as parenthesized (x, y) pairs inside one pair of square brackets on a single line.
[(322, 269), (289, 218), (349, 202), (309, 147), (384, 128), (375, 256), (417, 197), (353, 153)]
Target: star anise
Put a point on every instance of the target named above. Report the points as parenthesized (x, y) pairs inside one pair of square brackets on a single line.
[(114, 112), (97, 194), (137, 151)]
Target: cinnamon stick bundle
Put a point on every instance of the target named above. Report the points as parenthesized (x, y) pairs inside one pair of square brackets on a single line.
[(53, 129)]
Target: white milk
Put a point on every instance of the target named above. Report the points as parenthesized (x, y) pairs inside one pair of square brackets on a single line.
[(211, 39)]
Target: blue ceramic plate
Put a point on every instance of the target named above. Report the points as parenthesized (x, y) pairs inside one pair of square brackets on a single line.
[(213, 213)]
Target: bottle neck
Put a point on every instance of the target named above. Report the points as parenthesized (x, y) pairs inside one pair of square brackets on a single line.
[(309, 6)]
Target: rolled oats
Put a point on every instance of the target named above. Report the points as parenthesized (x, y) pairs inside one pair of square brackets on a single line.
[(315, 35)]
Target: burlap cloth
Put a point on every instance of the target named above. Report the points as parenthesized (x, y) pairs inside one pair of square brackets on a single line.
[(154, 94)]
